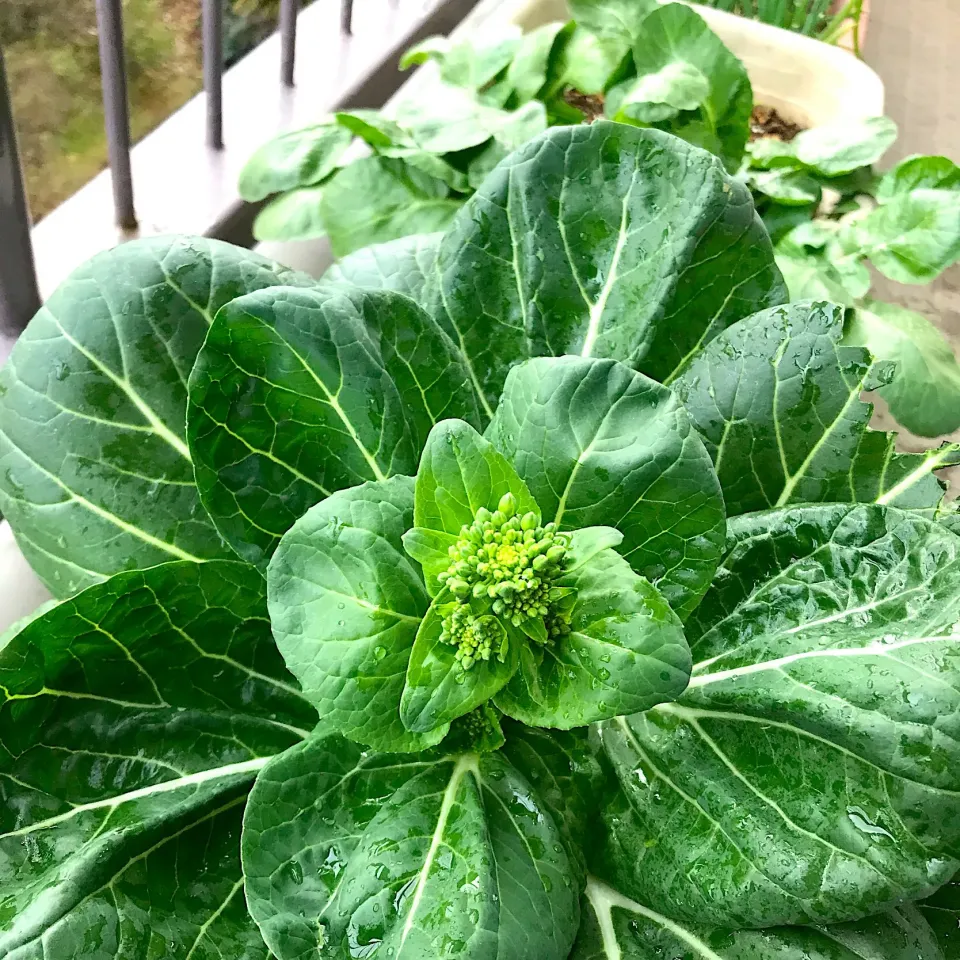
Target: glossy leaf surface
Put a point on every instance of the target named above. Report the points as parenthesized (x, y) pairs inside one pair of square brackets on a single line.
[(935, 173), (595, 240), (428, 856), (460, 472), (598, 444), (135, 717), (345, 606), (298, 158), (299, 393), (402, 265), (942, 911), (625, 651), (376, 199), (776, 399), (614, 927), (807, 774), (95, 474)]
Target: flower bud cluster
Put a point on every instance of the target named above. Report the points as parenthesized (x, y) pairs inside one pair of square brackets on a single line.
[(507, 560), (476, 638)]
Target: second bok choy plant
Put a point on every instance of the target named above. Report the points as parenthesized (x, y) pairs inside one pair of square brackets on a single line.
[(531, 591)]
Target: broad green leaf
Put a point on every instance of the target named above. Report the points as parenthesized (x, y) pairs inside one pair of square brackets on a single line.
[(376, 199), (942, 912), (615, 22), (431, 549), (401, 265), (535, 67), (840, 148), (597, 443), (810, 275), (345, 607), (924, 394), (625, 651), (935, 173), (564, 769), (95, 474), (299, 393), (525, 123), (913, 237), (472, 63), (683, 64), (415, 857), (297, 158), (459, 473), (614, 927), (793, 188), (136, 716), (451, 119), (809, 773), (586, 61), (596, 240), (296, 215), (776, 399), (438, 689)]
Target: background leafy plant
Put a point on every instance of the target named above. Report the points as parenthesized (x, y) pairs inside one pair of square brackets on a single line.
[(647, 65)]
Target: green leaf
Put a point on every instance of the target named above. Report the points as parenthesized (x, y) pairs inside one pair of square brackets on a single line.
[(586, 62), (299, 393), (564, 769), (942, 912), (683, 64), (345, 607), (136, 716), (376, 199), (934, 173), (596, 444), (535, 67), (793, 188), (614, 927), (297, 158), (779, 220), (438, 688), (472, 63), (593, 240), (924, 394), (428, 856), (526, 123), (912, 238), (459, 473), (616, 23), (95, 474), (625, 651), (806, 775), (776, 399), (840, 148), (660, 94), (402, 265), (296, 215)]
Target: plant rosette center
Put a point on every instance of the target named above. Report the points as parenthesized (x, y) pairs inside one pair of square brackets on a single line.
[(504, 569)]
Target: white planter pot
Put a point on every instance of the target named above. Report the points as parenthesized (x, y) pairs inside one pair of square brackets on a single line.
[(20, 590)]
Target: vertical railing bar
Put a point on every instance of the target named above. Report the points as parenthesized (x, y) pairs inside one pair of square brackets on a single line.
[(19, 296), (116, 111), (346, 16), (213, 70), (288, 39)]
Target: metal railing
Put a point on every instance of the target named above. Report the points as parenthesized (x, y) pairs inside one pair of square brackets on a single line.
[(19, 293)]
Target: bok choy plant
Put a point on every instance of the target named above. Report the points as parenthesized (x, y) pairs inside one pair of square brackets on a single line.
[(530, 591)]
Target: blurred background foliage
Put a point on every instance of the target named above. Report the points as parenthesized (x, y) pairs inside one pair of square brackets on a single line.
[(53, 67)]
